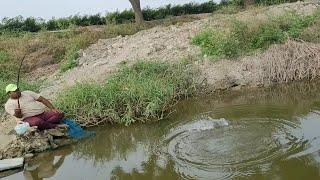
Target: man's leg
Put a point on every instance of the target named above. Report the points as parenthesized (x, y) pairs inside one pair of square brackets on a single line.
[(37, 121), (52, 117)]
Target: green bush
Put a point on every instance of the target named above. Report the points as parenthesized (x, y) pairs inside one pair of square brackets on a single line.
[(144, 91), (266, 35), (163, 12), (216, 43), (120, 17)]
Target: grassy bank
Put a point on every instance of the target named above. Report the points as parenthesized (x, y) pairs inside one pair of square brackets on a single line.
[(244, 37), (145, 91)]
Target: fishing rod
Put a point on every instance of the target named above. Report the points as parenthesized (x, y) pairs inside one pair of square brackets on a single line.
[(18, 79)]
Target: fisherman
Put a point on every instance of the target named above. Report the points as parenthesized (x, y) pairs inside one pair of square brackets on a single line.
[(25, 107)]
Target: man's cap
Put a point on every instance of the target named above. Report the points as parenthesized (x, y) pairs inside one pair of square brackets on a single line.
[(11, 87)]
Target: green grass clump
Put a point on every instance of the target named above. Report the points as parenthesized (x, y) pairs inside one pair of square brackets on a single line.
[(143, 91), (70, 59), (244, 38), (215, 43)]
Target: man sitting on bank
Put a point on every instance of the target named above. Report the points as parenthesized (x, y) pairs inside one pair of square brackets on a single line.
[(25, 107)]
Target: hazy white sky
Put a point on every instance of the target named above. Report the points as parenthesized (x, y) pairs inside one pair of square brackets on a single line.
[(61, 8)]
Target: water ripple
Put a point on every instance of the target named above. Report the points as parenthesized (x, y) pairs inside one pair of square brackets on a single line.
[(216, 148)]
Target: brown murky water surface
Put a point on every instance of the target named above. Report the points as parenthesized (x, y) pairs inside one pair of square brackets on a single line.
[(271, 133)]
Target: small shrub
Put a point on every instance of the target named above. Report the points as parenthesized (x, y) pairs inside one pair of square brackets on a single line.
[(266, 35)]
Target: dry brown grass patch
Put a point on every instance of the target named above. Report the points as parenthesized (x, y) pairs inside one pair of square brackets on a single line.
[(291, 61)]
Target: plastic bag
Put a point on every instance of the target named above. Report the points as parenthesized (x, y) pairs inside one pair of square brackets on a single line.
[(22, 128)]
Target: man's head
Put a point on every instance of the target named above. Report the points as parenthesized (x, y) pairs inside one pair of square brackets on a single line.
[(13, 91)]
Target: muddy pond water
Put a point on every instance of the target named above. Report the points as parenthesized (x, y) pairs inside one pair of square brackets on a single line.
[(270, 133)]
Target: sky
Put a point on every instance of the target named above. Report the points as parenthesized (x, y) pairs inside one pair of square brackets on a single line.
[(47, 9)]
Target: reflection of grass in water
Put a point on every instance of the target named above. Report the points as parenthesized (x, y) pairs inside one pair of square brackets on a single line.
[(116, 142), (150, 169), (280, 101)]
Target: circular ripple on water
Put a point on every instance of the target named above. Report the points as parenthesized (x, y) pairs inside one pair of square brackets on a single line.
[(221, 149)]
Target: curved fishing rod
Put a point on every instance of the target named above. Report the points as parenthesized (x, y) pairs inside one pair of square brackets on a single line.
[(18, 79)]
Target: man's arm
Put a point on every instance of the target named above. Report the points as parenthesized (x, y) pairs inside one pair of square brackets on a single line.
[(47, 103), (14, 111)]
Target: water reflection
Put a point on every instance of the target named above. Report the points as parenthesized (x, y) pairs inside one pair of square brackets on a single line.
[(150, 170), (45, 165), (271, 133)]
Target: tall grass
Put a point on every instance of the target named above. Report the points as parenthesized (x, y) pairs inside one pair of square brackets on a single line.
[(244, 38), (144, 91)]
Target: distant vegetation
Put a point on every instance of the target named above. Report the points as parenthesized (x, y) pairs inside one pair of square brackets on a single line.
[(31, 24), (246, 37)]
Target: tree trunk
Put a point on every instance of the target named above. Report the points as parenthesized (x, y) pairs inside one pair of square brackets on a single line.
[(137, 11), (247, 3)]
